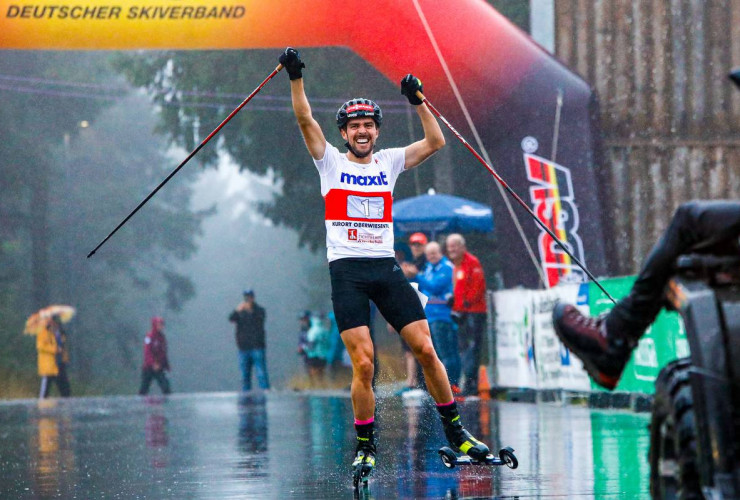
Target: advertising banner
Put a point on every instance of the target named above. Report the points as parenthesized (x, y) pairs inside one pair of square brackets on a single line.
[(529, 354), (536, 119), (515, 363)]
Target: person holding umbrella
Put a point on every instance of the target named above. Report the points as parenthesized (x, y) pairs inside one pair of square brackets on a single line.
[(53, 356)]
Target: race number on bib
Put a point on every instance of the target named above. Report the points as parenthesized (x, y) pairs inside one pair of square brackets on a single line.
[(365, 207)]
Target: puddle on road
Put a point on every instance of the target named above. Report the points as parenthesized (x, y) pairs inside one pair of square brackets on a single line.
[(285, 445)]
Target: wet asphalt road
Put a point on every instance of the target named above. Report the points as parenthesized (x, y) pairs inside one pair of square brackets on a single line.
[(300, 445)]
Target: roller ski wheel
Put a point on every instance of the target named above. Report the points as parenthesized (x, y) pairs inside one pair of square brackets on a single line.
[(362, 491), (506, 457), (449, 458), (360, 479)]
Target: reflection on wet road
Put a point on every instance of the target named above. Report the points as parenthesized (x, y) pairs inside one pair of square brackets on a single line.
[(285, 445)]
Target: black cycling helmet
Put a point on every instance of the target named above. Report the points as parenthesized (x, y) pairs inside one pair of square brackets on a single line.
[(358, 107)]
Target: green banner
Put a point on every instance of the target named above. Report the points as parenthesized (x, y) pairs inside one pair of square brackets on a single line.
[(620, 451), (663, 342)]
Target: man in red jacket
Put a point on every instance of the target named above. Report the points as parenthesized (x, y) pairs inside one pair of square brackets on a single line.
[(470, 308), (155, 358)]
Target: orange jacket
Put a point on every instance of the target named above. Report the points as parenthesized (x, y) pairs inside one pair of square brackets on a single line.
[(46, 346), (470, 285)]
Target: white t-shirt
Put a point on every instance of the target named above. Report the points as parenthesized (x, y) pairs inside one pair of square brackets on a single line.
[(358, 201)]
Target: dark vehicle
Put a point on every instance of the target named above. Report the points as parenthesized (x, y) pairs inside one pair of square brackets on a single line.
[(695, 428)]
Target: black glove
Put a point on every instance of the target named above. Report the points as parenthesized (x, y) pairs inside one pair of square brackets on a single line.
[(291, 61), (409, 85)]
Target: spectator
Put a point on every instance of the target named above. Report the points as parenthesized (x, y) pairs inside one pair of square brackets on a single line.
[(418, 243), (304, 321), (337, 350), (470, 308), (155, 358), (435, 281), (53, 356), (250, 339), (318, 349), (402, 251)]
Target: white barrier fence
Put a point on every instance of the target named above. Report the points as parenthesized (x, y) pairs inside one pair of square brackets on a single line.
[(524, 351)]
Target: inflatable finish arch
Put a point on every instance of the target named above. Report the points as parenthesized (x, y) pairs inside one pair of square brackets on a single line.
[(510, 86)]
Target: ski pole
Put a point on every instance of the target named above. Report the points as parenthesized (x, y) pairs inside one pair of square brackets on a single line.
[(512, 193), (192, 153)]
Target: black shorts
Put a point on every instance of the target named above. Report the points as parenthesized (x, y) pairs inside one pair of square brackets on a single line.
[(357, 281)]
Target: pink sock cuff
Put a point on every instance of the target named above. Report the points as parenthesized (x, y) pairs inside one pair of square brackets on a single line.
[(365, 422), (445, 404)]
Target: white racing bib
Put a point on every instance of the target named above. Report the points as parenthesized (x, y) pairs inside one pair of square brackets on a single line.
[(358, 202)]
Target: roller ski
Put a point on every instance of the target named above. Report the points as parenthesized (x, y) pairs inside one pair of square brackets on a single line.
[(363, 465), (505, 457), (472, 451)]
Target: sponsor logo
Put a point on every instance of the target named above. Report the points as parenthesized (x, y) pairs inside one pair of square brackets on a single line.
[(356, 108), (553, 202), (564, 355), (472, 211), (370, 238), (364, 180), (355, 235), (530, 144), (582, 299)]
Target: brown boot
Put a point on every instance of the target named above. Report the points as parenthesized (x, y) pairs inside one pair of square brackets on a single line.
[(604, 355)]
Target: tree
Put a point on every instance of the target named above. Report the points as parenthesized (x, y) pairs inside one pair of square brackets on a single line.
[(77, 155), (33, 125)]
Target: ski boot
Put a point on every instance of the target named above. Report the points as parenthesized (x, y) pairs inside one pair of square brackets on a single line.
[(461, 440), (364, 463)]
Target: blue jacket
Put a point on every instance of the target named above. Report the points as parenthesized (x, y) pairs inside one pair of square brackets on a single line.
[(435, 281), (319, 341)]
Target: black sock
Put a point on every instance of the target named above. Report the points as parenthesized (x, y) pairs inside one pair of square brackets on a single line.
[(365, 433)]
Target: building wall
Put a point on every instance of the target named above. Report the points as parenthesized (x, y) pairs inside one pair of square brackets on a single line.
[(670, 117)]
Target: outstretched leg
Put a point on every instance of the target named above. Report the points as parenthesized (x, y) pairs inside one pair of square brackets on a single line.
[(605, 344), (696, 225), (419, 339)]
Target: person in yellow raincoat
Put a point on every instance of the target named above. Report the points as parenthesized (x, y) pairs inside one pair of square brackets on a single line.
[(51, 345)]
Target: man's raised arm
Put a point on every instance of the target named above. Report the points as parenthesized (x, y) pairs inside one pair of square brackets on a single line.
[(433, 139), (312, 134)]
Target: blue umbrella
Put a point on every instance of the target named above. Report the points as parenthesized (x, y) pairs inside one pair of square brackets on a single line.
[(437, 213)]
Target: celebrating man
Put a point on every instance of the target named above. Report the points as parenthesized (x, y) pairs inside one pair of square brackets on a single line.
[(357, 187)]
